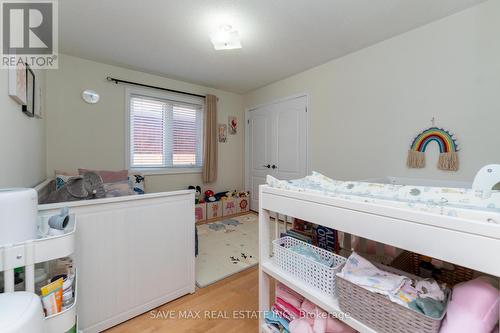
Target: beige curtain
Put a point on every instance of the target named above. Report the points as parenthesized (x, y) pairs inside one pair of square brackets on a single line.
[(210, 140)]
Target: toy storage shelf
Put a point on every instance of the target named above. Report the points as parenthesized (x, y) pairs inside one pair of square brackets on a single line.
[(464, 242), (27, 254)]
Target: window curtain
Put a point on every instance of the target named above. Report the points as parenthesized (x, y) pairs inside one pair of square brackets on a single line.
[(209, 174)]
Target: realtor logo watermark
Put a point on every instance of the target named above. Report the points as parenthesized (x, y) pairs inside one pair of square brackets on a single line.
[(29, 34)]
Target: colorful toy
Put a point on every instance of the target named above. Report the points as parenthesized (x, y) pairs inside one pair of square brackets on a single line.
[(197, 194), (243, 194), (220, 195), (210, 196), (448, 148)]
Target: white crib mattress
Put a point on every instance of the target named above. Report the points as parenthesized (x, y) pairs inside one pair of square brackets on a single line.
[(454, 202)]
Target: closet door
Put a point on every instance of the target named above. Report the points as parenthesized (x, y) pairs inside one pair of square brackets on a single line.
[(277, 135), (290, 139), (259, 128)]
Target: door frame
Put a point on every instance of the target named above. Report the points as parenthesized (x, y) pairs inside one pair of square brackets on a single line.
[(247, 134)]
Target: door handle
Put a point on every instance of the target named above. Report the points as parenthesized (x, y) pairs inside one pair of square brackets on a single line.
[(274, 167), (267, 166)]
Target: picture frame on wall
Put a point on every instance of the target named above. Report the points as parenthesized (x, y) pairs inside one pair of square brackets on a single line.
[(233, 125), (222, 133), (29, 106), (17, 83)]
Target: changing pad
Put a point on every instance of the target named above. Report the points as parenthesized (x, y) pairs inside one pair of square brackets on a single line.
[(454, 202)]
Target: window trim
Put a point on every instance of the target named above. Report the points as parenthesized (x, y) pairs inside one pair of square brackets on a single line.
[(129, 91)]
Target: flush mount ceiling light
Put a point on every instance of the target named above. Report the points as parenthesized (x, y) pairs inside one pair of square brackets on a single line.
[(226, 38)]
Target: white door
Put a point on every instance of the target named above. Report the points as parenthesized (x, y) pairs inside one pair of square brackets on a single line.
[(289, 159), (260, 132), (277, 143)]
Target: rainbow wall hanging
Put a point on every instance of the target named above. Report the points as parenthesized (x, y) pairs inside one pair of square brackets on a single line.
[(448, 148)]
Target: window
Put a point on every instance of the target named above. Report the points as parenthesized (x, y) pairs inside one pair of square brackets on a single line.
[(165, 132)]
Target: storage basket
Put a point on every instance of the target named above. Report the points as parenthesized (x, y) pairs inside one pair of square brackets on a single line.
[(380, 313), (317, 275), (410, 262)]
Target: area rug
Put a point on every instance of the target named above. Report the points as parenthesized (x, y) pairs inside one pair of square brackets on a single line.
[(226, 247)]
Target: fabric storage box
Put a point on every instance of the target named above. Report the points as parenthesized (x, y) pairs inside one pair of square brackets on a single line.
[(229, 206), (450, 274), (243, 204), (315, 274), (379, 312), (214, 209), (200, 212)]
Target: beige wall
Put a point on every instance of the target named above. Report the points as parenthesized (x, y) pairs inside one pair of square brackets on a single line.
[(22, 140), (367, 107), (93, 136)]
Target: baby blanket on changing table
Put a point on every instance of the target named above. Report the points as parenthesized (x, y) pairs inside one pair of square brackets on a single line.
[(455, 202)]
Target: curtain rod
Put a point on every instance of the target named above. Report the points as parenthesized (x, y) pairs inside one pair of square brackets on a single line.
[(111, 79)]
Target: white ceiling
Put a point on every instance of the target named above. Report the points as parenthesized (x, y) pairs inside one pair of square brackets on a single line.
[(279, 37)]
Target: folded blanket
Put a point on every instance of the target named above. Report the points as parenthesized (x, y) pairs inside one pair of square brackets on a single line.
[(290, 311), (308, 252), (272, 318), (288, 295), (363, 273)]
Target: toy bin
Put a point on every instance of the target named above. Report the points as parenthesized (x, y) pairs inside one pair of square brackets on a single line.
[(380, 313), (229, 206), (315, 274), (200, 212), (243, 204), (214, 209)]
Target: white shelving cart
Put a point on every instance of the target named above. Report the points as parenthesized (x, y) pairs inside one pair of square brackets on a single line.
[(461, 241), (37, 251)]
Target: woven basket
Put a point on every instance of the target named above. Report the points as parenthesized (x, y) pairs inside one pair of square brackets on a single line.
[(315, 274), (410, 262), (380, 313)]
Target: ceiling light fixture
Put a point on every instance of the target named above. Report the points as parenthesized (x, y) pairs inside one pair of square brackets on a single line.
[(226, 38)]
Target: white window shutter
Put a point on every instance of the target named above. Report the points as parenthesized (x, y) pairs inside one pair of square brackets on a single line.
[(147, 131), (165, 133)]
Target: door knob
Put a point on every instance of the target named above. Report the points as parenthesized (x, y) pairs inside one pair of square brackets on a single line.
[(274, 166), (267, 166)]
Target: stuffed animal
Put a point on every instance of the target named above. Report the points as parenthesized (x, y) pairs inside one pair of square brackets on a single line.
[(84, 187), (197, 194), (219, 196), (210, 196), (243, 194)]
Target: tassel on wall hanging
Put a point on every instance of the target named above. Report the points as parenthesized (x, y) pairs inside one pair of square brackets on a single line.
[(448, 149)]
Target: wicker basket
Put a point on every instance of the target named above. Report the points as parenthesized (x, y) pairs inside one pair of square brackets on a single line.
[(410, 262), (317, 275), (380, 313)]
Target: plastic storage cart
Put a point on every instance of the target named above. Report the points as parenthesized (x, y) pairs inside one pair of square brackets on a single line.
[(41, 250)]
